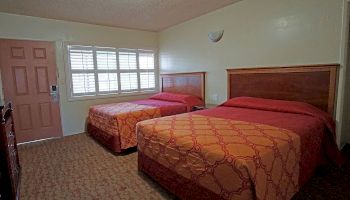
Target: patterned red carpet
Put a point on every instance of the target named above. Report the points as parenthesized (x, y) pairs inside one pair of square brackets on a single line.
[(328, 182), (76, 167)]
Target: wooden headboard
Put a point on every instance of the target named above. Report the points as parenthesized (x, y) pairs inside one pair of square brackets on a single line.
[(313, 84), (192, 83)]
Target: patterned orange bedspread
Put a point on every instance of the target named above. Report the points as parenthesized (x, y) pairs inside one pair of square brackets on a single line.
[(120, 119), (234, 159)]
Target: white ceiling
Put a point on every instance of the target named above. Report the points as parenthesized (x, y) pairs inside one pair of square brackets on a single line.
[(151, 15)]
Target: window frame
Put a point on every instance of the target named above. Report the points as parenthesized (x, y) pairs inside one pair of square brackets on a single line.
[(119, 93)]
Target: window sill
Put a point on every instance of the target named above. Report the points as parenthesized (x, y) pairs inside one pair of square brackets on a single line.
[(107, 96)]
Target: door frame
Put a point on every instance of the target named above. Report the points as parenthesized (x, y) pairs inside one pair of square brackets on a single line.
[(342, 136)]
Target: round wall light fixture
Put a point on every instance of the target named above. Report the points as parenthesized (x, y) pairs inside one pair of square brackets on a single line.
[(215, 36)]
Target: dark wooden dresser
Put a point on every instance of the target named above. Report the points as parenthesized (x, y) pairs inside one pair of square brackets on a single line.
[(9, 162)]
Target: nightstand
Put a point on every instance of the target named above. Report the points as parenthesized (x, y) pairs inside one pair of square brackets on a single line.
[(207, 106)]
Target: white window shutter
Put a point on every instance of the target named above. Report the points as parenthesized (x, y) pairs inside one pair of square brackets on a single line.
[(104, 70), (146, 60), (106, 60), (127, 60), (107, 70), (81, 63), (83, 83), (128, 81), (81, 59), (147, 80), (108, 82)]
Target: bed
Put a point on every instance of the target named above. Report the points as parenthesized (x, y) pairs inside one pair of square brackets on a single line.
[(113, 125), (263, 143)]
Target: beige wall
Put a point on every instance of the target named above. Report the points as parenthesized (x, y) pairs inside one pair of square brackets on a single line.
[(73, 113), (257, 33)]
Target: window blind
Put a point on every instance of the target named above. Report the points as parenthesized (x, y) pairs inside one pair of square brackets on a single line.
[(103, 70)]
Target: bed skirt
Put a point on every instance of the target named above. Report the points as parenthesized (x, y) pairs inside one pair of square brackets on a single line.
[(112, 142), (177, 185)]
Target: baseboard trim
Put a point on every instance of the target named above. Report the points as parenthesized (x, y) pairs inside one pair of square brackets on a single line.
[(39, 140)]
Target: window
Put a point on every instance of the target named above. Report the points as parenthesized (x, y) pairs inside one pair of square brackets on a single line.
[(98, 71)]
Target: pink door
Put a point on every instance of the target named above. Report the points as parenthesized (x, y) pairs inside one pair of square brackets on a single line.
[(28, 72)]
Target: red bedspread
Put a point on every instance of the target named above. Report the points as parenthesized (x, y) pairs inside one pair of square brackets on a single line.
[(114, 124), (166, 107), (315, 128), (209, 151)]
